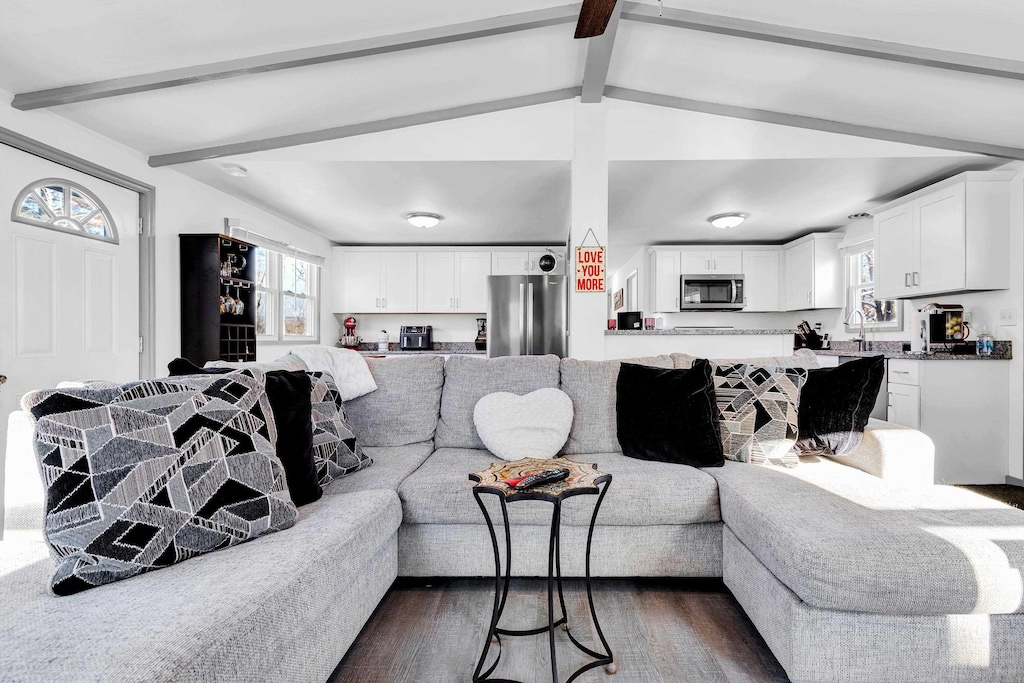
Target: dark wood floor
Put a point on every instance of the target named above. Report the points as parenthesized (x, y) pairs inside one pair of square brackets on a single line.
[(660, 631)]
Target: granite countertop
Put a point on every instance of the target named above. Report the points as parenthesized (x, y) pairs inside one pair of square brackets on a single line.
[(700, 331), (440, 348), (893, 350)]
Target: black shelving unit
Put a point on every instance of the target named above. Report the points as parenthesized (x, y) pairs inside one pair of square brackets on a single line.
[(208, 330)]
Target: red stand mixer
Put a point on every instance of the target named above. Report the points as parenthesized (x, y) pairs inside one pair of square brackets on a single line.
[(349, 340)]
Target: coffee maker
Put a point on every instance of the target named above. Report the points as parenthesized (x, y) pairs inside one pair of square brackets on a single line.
[(943, 325), (481, 334)]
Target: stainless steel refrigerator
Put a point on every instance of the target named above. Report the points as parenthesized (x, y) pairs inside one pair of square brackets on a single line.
[(526, 315)]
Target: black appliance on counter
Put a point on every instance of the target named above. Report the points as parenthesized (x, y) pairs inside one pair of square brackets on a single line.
[(631, 320), (416, 338)]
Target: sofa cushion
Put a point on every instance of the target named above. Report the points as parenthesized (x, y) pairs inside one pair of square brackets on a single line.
[(591, 386), (801, 358), (224, 616), (642, 493), (405, 407), (842, 539), (468, 379), (391, 465), (150, 473)]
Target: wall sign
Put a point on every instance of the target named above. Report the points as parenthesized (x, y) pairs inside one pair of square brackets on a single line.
[(590, 269)]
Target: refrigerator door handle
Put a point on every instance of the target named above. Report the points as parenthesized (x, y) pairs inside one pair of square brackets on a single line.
[(522, 318), (529, 320)]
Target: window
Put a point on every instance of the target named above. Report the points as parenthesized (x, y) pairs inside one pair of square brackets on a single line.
[(287, 297), (879, 314), (66, 206)]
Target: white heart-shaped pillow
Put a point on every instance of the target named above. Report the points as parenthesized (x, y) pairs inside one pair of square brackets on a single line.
[(534, 425)]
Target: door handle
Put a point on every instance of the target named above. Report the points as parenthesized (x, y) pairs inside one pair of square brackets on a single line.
[(522, 318), (917, 279), (808, 297), (889, 401), (707, 264), (529, 318)]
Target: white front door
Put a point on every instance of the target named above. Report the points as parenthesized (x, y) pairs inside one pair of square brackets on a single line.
[(69, 305)]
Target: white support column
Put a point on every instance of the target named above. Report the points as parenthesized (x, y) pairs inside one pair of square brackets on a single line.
[(588, 311)]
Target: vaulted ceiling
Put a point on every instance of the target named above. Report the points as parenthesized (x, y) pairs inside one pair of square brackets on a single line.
[(297, 90)]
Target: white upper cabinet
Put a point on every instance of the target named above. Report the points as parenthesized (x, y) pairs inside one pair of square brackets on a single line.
[(471, 271), (665, 269), (361, 282), (761, 280), (524, 263), (711, 261), (534, 263), (949, 237), (813, 273), (436, 275), (398, 289)]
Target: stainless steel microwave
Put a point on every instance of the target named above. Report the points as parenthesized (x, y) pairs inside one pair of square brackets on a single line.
[(711, 293)]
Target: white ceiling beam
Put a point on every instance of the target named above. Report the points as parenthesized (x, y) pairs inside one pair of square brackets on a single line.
[(290, 59), (353, 130), (829, 42), (599, 58), (811, 123)]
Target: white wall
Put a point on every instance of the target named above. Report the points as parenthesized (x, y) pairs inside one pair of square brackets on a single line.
[(183, 205)]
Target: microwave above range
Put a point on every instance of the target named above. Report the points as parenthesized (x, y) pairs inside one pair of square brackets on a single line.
[(711, 293)]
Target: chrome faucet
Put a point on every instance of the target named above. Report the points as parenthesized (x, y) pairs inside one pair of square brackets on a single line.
[(860, 341)]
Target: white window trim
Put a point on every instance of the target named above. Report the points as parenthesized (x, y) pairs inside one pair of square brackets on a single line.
[(275, 288), (851, 286)]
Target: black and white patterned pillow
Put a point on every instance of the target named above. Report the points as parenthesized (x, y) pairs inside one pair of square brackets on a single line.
[(146, 474), (335, 451), (759, 412)]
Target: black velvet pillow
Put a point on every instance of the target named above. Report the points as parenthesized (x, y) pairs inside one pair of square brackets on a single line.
[(668, 415), (835, 405), (290, 399)]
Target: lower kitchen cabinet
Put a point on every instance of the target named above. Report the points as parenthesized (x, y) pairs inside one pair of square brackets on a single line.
[(961, 406)]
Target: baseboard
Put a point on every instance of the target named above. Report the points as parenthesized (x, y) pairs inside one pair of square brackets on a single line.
[(1014, 481)]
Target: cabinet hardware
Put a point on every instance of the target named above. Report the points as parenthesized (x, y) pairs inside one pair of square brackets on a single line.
[(377, 305), (707, 264), (451, 304), (457, 304), (714, 264), (383, 303), (808, 297), (906, 279), (917, 278)]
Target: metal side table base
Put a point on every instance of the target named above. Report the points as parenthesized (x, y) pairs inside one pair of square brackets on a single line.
[(495, 632)]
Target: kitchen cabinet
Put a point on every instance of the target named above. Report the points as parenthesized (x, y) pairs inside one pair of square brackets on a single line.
[(379, 282), (960, 405), (949, 237), (524, 263), (761, 280), (453, 281), (711, 261), (813, 273), (665, 268)]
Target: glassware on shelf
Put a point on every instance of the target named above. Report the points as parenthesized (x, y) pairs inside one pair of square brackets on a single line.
[(239, 306), (237, 265), (227, 303)]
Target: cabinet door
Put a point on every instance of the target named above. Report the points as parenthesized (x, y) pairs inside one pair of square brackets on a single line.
[(895, 248), (942, 246), (761, 280), (471, 271), (436, 282), (666, 281), (904, 405), (362, 281), (727, 262), (534, 264), (398, 294), (695, 262), (799, 287), (510, 262)]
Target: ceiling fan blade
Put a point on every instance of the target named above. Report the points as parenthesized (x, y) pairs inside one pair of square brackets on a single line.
[(594, 18)]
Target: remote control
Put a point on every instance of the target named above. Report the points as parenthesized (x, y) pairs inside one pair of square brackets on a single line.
[(544, 477)]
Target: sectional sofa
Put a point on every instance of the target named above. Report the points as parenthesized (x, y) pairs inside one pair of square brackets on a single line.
[(852, 569)]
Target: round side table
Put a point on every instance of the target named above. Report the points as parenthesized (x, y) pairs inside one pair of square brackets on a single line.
[(583, 479)]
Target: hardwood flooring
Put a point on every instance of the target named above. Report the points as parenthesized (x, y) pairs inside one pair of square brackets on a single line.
[(660, 631)]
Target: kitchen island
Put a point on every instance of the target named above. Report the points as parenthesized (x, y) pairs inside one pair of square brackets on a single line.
[(708, 342)]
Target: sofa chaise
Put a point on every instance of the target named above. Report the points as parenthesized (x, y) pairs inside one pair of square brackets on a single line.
[(852, 569)]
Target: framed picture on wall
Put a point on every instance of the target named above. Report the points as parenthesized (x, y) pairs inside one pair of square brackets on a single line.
[(617, 299)]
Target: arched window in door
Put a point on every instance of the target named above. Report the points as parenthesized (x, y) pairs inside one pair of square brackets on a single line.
[(63, 205)]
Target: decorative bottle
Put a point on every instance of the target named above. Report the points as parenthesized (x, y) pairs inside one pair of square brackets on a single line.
[(985, 343)]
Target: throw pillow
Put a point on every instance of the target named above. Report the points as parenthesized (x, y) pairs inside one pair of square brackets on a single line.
[(835, 405), (289, 396), (759, 412), (147, 474), (335, 450), (668, 415), (534, 425)]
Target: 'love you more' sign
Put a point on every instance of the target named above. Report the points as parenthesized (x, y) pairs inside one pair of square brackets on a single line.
[(589, 269)]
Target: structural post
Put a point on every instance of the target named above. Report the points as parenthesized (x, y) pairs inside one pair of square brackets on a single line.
[(588, 311)]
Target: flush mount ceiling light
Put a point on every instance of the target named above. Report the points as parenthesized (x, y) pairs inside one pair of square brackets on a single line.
[(858, 216), (726, 221), (234, 170), (420, 219)]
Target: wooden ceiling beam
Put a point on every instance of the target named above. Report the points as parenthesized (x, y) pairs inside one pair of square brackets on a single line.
[(599, 59), (291, 59)]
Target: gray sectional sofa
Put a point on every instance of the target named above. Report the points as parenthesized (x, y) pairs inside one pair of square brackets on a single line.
[(853, 569)]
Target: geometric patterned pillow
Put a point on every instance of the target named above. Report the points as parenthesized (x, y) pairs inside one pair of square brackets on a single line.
[(759, 412), (335, 451), (146, 474)]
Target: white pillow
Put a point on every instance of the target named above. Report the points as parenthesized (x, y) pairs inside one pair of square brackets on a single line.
[(535, 425)]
